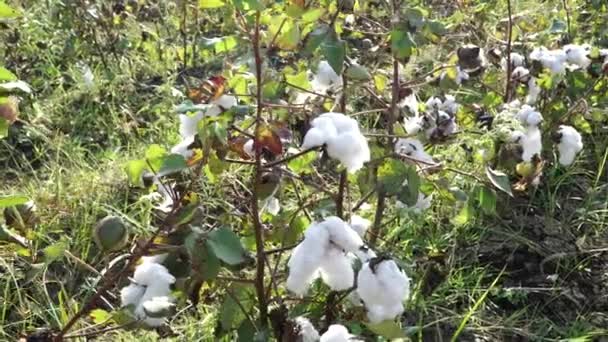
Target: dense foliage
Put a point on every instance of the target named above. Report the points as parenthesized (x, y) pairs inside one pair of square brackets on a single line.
[(303, 170)]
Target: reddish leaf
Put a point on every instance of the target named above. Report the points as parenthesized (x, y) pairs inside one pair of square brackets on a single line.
[(281, 128), (209, 90), (268, 139), (237, 145)]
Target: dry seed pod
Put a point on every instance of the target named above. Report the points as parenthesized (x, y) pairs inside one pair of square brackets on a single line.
[(110, 233)]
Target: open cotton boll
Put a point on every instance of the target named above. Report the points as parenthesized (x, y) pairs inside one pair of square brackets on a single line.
[(520, 74), (337, 333), (182, 147), (341, 122), (533, 91), (342, 235), (350, 149), (306, 258), (325, 78), (336, 270), (327, 125), (188, 124), (307, 331), (248, 148), (433, 103), (314, 137), (149, 273), (517, 60), (414, 149), (413, 124), (410, 102), (225, 101), (577, 54), (554, 60), (570, 144), (359, 224), (529, 116), (272, 205), (131, 294), (449, 105), (531, 143), (382, 290)]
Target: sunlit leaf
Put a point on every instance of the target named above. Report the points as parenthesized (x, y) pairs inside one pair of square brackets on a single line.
[(211, 3), (99, 316), (487, 200), (135, 169), (500, 180), (7, 12), (6, 75), (54, 251), (388, 329), (12, 200), (3, 128)]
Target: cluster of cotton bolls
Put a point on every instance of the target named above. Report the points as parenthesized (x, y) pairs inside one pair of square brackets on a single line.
[(324, 252), (322, 82), (342, 137), (438, 120), (570, 144), (328, 251), (335, 332), (521, 74), (149, 292)]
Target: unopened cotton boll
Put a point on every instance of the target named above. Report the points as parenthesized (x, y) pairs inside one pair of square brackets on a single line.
[(577, 54), (307, 331), (337, 333), (359, 224), (306, 258), (531, 143), (342, 235), (570, 144), (336, 270)]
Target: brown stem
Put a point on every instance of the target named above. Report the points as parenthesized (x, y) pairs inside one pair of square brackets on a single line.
[(375, 231), (507, 95), (255, 212), (341, 192), (291, 157)]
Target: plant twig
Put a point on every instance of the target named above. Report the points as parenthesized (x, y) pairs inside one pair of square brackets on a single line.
[(375, 231), (507, 95), (291, 157), (255, 212)]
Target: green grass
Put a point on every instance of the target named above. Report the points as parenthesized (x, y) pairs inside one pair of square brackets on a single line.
[(69, 159)]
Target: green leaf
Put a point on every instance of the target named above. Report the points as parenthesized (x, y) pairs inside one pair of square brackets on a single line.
[(315, 38), (247, 5), (358, 72), (402, 44), (388, 329), (380, 81), (312, 15), (211, 3), (302, 164), (464, 215), (500, 180), (231, 314), (6, 75), (272, 90), (155, 155), (54, 251), (135, 170), (397, 178), (299, 79), (487, 200), (289, 37), (227, 246), (173, 163), (7, 12), (415, 17), (3, 128), (334, 50), (221, 44), (12, 200), (100, 316), (409, 192), (204, 261)]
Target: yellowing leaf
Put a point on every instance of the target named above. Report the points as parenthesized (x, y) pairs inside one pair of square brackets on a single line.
[(211, 3)]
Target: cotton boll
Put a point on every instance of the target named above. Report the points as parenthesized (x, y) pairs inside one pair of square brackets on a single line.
[(183, 147), (577, 54), (383, 290), (520, 74), (410, 102), (461, 76), (449, 105), (359, 224), (306, 258), (131, 294), (413, 148), (414, 124), (337, 333), (517, 60), (336, 270), (533, 91), (554, 60), (248, 148), (188, 124), (433, 103), (273, 206), (325, 78), (529, 116), (148, 274), (307, 331), (314, 137), (327, 125), (342, 122), (531, 143), (225, 101), (350, 149), (394, 280), (158, 258), (571, 143), (342, 235)]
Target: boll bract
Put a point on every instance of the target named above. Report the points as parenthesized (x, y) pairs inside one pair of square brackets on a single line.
[(570, 144)]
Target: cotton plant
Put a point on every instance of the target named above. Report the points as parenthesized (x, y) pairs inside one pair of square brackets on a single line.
[(382, 287), (570, 143), (342, 137), (324, 253), (149, 293)]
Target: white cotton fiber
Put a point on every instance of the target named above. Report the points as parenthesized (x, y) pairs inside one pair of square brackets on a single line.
[(131, 294), (533, 91), (308, 333), (571, 143), (529, 116), (336, 270), (182, 147), (337, 333), (188, 124), (577, 54), (325, 78), (306, 258), (342, 235), (359, 224), (414, 149), (314, 137), (531, 143), (149, 273)]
